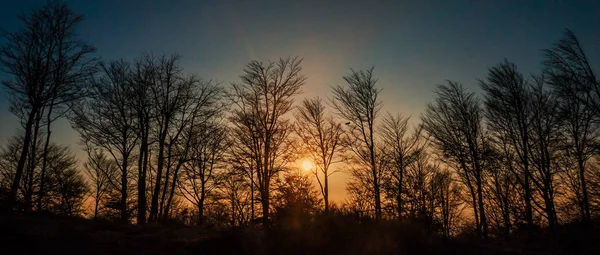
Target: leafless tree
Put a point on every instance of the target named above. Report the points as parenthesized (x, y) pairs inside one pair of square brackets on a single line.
[(179, 99), (143, 77), (454, 122), (235, 189), (106, 121), (101, 172), (321, 137), (48, 63), (567, 62), (401, 150), (203, 108), (574, 82), (545, 141), (358, 104), (200, 174), (67, 188), (260, 101), (509, 118)]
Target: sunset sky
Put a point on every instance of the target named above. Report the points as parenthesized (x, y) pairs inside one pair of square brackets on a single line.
[(413, 45)]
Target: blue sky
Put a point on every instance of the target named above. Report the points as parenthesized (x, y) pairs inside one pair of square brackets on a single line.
[(413, 45)]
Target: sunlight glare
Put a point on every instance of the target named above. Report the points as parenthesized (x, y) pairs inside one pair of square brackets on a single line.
[(307, 165)]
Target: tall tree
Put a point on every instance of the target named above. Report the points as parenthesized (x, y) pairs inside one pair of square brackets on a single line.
[(509, 118), (401, 150), (570, 74), (106, 121), (260, 101), (320, 136), (48, 63), (200, 177), (454, 121), (358, 104), (546, 141), (143, 77), (101, 173), (174, 99)]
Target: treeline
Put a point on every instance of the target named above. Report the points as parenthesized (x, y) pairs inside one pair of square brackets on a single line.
[(165, 145)]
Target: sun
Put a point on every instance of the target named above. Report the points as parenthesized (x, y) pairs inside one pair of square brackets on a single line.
[(307, 165)]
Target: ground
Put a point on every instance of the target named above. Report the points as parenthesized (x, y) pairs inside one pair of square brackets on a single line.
[(66, 235)]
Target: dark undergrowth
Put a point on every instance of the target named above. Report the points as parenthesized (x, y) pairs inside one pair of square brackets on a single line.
[(331, 235)]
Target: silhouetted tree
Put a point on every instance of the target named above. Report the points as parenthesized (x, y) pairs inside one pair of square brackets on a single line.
[(200, 177), (260, 101), (401, 149), (321, 137), (509, 118), (106, 121), (295, 199), (574, 81), (67, 188), (567, 62), (180, 101), (359, 105), (546, 141), (101, 172), (454, 121), (202, 108), (48, 63), (143, 77)]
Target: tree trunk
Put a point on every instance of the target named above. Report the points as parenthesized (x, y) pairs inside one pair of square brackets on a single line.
[(124, 216), (161, 207), (265, 206), (12, 195), (42, 191), (172, 192), (483, 220), (201, 212), (326, 193), (32, 162), (399, 195), (142, 170), (585, 206), (96, 203), (157, 184)]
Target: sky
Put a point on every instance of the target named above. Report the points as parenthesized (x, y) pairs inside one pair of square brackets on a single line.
[(413, 45)]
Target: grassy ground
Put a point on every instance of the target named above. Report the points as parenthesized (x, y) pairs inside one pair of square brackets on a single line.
[(60, 235)]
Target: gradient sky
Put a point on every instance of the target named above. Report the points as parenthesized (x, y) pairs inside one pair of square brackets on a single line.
[(413, 45)]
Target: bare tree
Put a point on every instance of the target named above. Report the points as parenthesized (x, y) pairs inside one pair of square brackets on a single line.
[(509, 118), (200, 107), (262, 98), (578, 91), (106, 121), (401, 150), (567, 61), (101, 172), (546, 141), (175, 97), (48, 63), (143, 77), (235, 189), (454, 122), (200, 177), (67, 188), (320, 136), (359, 105)]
